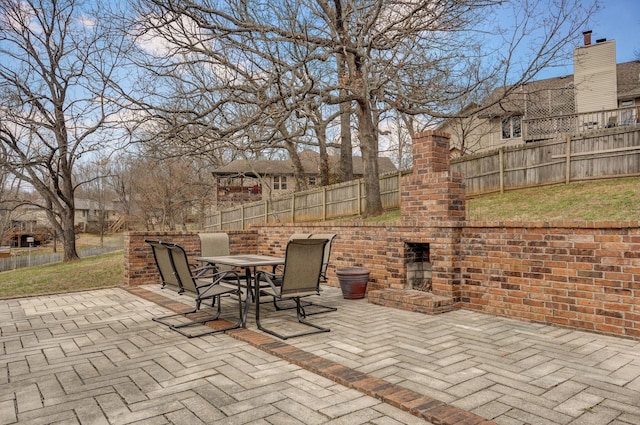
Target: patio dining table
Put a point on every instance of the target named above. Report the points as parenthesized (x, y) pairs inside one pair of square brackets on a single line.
[(248, 262)]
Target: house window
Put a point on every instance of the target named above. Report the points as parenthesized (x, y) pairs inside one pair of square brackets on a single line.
[(312, 180), (280, 182), (512, 127)]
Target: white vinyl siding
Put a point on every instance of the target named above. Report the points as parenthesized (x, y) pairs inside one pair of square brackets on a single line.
[(595, 77)]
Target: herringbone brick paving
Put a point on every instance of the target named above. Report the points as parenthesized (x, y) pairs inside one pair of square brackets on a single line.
[(96, 357), (509, 371)]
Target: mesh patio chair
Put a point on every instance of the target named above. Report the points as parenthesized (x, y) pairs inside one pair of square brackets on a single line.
[(300, 278), (327, 252), (202, 289), (214, 245), (163, 262), (317, 308)]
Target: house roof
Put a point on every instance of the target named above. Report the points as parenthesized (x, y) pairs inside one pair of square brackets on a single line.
[(310, 164), (628, 82), (628, 75), (90, 205)]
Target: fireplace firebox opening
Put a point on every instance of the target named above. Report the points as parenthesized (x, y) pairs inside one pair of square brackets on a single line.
[(418, 266)]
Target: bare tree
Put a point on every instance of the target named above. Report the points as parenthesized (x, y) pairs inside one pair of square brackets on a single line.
[(7, 197), (166, 192), (417, 57), (96, 189), (58, 63)]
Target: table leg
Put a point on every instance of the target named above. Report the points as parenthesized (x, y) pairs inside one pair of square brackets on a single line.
[(249, 297)]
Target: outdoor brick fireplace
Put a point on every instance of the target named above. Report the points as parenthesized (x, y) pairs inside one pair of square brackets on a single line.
[(432, 212)]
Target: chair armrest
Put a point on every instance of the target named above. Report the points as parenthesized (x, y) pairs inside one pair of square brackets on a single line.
[(200, 271), (269, 277), (219, 277)]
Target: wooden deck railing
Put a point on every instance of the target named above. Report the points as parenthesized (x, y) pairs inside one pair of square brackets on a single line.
[(551, 127)]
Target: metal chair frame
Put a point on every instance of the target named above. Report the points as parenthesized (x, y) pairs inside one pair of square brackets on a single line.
[(300, 278), (203, 289), (318, 308)]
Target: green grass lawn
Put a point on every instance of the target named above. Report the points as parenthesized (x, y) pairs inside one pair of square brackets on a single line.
[(603, 200), (616, 199), (87, 273)]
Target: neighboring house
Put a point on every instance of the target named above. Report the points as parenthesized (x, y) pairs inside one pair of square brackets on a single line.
[(246, 181), (28, 227), (89, 215), (600, 94), (30, 224)]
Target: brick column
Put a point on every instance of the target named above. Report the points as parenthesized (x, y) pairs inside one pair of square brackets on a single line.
[(432, 202), (432, 193), (139, 265)]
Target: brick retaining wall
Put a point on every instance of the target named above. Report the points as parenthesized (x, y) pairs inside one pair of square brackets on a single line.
[(580, 275)]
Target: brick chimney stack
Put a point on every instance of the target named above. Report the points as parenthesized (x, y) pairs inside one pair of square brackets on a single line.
[(587, 37)]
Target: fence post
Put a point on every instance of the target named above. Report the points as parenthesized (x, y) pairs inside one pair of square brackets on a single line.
[(567, 168), (359, 199), (293, 207), (501, 161), (266, 211), (324, 203), (399, 181)]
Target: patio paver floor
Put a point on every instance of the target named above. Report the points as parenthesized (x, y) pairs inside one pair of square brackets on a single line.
[(96, 357)]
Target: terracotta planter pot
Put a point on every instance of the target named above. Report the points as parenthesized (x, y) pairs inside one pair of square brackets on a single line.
[(353, 282)]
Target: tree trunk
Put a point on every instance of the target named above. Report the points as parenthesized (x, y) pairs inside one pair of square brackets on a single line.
[(298, 171), (346, 148), (321, 133), (369, 147), (69, 236)]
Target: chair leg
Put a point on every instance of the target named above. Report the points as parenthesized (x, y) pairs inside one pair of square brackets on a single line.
[(321, 308), (200, 321), (162, 319), (179, 327), (301, 319), (279, 307)]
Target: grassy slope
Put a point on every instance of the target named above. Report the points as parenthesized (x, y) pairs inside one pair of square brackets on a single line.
[(604, 200), (617, 199)]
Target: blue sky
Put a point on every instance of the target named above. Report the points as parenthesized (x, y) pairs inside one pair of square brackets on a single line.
[(617, 20)]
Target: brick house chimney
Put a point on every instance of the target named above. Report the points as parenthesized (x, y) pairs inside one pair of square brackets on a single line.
[(587, 37)]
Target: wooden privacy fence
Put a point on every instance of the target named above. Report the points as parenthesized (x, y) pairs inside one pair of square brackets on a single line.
[(21, 261), (325, 203), (598, 154)]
